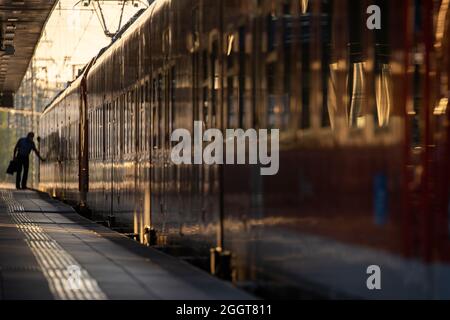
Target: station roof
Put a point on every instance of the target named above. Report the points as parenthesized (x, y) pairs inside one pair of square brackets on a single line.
[(21, 26)]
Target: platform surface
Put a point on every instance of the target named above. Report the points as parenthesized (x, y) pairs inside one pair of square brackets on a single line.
[(49, 252)]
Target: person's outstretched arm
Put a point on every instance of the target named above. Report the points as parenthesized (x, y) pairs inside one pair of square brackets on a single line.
[(37, 152)]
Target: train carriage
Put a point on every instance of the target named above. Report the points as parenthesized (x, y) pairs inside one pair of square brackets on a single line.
[(362, 113)]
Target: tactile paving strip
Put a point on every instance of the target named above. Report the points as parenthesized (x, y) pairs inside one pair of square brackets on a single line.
[(66, 279)]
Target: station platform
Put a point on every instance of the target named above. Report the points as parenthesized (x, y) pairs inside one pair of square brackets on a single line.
[(49, 252)]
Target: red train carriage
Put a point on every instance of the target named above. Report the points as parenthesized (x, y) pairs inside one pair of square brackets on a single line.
[(364, 148)]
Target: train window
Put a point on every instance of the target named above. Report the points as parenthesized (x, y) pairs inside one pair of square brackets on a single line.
[(195, 85), (383, 76), (94, 133), (278, 76), (107, 130), (205, 64), (305, 74), (133, 121), (167, 111), (356, 72), (173, 88), (125, 122), (89, 134), (138, 119), (103, 131), (99, 134), (214, 82), (242, 77), (154, 115), (287, 52), (326, 31), (231, 88), (205, 106), (147, 115), (142, 116), (231, 105), (96, 129), (205, 91), (271, 95), (160, 111), (129, 123), (122, 124), (271, 32), (110, 130), (92, 124), (117, 128)]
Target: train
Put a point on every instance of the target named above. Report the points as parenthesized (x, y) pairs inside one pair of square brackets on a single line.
[(364, 151)]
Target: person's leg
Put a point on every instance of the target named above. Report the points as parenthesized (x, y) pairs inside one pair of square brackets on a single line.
[(26, 165), (19, 172)]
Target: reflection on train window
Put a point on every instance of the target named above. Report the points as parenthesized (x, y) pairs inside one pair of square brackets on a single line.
[(357, 119), (383, 92), (383, 82), (304, 6), (332, 93), (356, 72)]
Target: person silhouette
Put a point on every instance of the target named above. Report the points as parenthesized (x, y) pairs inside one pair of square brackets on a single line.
[(22, 155)]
